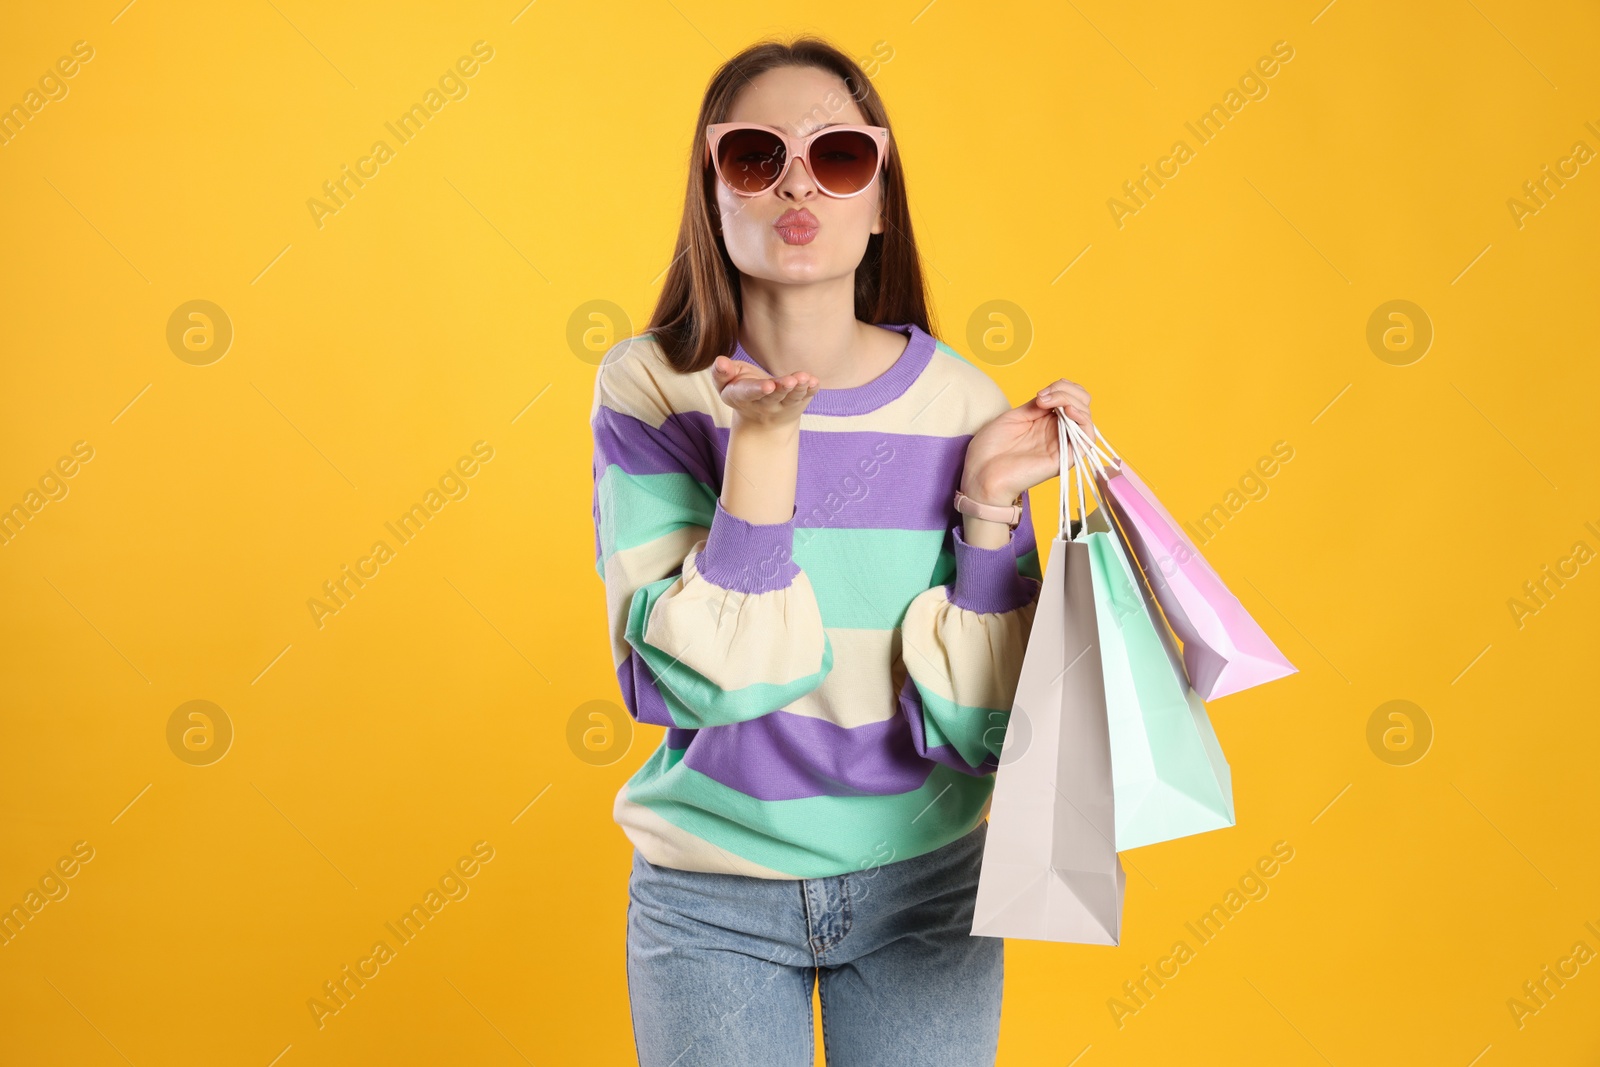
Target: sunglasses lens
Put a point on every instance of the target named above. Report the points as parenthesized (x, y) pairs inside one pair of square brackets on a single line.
[(844, 162), (750, 159)]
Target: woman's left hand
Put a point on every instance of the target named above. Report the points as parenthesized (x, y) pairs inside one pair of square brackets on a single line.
[(1021, 448)]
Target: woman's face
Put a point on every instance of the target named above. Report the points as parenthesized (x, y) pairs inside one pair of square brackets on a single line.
[(797, 100)]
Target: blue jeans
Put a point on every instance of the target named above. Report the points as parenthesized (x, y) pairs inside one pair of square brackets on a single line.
[(721, 966)]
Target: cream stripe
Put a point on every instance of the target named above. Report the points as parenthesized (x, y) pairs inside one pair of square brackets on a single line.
[(667, 845), (951, 393), (863, 686), (737, 639), (951, 398), (632, 568), (968, 658)]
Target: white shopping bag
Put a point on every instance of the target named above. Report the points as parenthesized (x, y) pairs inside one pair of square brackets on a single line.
[(1050, 869)]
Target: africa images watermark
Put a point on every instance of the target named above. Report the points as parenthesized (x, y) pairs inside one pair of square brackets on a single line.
[(338, 992), (52, 86), (52, 487), (52, 887), (452, 86), (1541, 190), (452, 486), (1252, 886), (1538, 992), (1252, 86), (1541, 590), (1252, 487)]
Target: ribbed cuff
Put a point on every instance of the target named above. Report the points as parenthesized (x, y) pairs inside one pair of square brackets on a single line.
[(748, 557), (987, 579)]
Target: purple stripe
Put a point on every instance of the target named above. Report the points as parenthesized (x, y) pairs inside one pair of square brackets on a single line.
[(783, 756), (594, 505), (860, 480), (748, 557), (686, 443), (912, 712), (853, 479), (639, 693), (870, 480), (987, 579), (892, 383)]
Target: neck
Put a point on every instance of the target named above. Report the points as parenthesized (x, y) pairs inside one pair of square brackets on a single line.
[(811, 328)]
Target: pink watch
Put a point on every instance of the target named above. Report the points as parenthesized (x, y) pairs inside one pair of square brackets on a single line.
[(1010, 514)]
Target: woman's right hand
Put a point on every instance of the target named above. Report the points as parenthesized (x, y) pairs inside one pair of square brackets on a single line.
[(759, 399)]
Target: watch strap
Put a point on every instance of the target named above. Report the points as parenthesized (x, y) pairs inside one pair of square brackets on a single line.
[(1010, 514)]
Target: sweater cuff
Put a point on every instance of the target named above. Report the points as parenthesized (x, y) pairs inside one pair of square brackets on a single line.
[(748, 557), (987, 579)]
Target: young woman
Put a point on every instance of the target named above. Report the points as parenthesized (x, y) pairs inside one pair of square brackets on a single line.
[(812, 521)]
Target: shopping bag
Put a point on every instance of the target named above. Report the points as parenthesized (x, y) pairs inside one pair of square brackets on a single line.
[(1050, 870), (1224, 649), (1168, 773)]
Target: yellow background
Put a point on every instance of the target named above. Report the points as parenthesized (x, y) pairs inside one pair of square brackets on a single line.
[(444, 304)]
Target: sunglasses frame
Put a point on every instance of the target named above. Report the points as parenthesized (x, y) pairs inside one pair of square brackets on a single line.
[(795, 147)]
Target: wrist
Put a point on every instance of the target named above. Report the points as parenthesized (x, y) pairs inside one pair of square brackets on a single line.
[(985, 490), (987, 516), (775, 433), (985, 533)]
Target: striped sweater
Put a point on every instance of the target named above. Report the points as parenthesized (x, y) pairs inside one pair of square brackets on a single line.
[(835, 688)]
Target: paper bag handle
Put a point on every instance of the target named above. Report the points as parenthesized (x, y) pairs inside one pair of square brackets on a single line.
[(1076, 446), (1084, 447), (1069, 467), (1114, 453)]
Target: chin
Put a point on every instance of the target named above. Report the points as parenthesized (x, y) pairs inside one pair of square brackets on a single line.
[(799, 273)]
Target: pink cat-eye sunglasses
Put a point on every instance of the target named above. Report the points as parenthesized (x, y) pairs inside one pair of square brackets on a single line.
[(751, 158)]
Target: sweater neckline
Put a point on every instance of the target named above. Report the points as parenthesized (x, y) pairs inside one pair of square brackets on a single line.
[(870, 396)]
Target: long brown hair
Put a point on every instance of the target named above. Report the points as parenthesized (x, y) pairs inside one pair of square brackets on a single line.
[(697, 315)]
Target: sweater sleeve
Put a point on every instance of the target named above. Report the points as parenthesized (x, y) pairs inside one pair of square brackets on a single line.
[(712, 622), (963, 645)]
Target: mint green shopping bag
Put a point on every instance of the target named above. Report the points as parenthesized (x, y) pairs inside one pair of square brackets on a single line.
[(1168, 774)]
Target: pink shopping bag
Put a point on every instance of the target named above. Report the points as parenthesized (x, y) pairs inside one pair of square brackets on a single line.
[(1224, 649)]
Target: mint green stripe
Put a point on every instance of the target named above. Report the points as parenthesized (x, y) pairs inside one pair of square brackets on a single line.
[(932, 736), (963, 726), (812, 837), (692, 699), (864, 579), (635, 509)]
